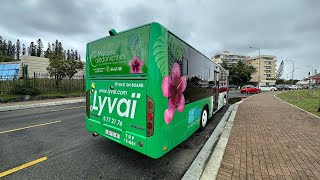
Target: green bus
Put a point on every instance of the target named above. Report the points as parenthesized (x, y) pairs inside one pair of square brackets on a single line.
[(149, 90)]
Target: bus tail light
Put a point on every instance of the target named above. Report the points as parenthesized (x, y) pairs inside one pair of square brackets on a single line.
[(150, 117)]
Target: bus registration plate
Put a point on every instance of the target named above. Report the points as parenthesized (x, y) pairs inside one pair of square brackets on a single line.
[(113, 134)]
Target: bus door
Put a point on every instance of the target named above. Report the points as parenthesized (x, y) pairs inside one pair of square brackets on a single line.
[(216, 91)]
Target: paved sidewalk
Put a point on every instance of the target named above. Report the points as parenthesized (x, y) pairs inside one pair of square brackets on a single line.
[(39, 103), (272, 140)]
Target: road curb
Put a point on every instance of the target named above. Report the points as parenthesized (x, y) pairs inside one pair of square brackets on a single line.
[(199, 163), (28, 106), (212, 168)]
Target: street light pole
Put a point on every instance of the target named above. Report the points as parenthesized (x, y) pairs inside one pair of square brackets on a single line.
[(292, 70), (258, 64)]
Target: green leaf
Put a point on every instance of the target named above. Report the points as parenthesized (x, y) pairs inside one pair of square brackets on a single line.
[(159, 53), (176, 48)]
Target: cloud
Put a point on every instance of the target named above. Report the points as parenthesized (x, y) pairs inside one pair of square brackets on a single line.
[(288, 30)]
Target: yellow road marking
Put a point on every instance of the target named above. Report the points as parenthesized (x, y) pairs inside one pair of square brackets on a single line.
[(67, 108), (18, 129), (13, 170)]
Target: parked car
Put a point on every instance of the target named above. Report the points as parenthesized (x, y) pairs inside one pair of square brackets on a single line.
[(300, 87), (286, 87), (232, 86), (223, 89), (249, 89), (293, 87), (280, 87), (267, 88)]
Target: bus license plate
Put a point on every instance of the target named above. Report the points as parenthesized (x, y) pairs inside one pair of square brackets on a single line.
[(113, 134)]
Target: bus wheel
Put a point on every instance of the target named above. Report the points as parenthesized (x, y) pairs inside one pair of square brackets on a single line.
[(204, 118)]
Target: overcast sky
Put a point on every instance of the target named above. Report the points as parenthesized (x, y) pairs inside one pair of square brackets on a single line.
[(288, 29)]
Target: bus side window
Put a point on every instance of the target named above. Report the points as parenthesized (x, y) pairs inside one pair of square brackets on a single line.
[(185, 67)]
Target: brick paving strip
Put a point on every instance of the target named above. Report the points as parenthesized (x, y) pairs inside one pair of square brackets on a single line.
[(272, 140)]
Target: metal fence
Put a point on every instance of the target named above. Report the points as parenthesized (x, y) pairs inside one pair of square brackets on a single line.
[(45, 83)]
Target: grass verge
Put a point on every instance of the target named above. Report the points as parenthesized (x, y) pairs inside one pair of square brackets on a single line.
[(304, 99), (4, 98)]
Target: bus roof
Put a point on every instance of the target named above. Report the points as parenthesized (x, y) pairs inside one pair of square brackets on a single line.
[(161, 26), (123, 32)]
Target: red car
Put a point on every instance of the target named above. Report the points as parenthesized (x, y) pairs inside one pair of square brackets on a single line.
[(249, 89), (223, 89)]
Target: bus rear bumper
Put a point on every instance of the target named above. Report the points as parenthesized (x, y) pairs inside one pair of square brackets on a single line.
[(132, 140)]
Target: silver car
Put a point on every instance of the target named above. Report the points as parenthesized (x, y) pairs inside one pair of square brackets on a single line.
[(267, 88)]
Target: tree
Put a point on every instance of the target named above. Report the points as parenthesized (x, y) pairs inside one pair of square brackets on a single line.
[(39, 51), (225, 65), (68, 55), (280, 70), (280, 81), (72, 54), (53, 49), (18, 49), (13, 52), (240, 73), (10, 51), (57, 67), (61, 64), (32, 49), (60, 48), (6, 50), (23, 49), (73, 67), (56, 48), (4, 47), (48, 51), (1, 42), (76, 55), (9, 48)]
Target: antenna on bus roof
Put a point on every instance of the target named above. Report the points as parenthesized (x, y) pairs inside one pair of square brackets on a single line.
[(112, 32)]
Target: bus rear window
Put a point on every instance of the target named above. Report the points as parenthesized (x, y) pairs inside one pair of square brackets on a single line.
[(122, 54)]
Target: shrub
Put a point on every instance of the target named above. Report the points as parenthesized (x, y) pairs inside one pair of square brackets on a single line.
[(25, 89)]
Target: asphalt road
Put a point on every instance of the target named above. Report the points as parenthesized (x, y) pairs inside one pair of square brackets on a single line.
[(236, 94), (73, 153)]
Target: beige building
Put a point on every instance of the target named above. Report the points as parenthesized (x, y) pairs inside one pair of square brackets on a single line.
[(223, 76), (36, 65), (265, 69), (229, 57)]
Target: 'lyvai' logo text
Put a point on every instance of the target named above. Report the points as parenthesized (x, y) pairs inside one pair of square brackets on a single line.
[(130, 105)]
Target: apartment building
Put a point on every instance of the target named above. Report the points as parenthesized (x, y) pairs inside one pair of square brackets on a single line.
[(265, 69), (223, 76), (229, 57)]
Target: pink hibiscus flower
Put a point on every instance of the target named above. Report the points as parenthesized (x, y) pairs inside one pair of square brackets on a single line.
[(173, 89), (135, 65)]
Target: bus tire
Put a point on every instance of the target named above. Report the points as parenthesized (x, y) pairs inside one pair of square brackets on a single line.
[(204, 118)]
